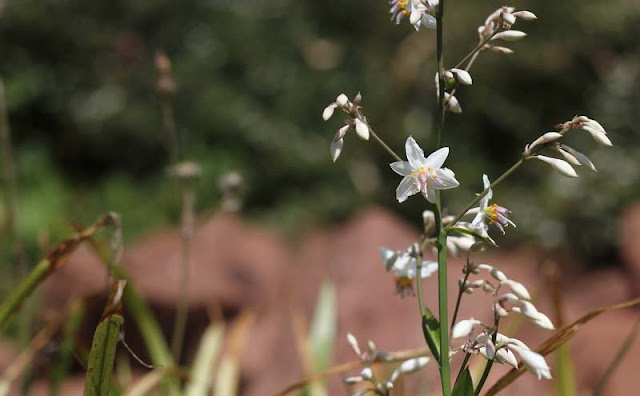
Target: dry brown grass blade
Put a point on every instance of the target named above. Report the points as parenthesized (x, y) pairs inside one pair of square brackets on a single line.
[(228, 371), (558, 338), (344, 367)]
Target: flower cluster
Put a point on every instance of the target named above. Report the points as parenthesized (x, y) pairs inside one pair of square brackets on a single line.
[(497, 26), (372, 355), (571, 156), (421, 12), (355, 121), (500, 348), (517, 300)]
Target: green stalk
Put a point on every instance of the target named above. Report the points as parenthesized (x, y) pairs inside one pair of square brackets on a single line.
[(441, 243), (384, 145)]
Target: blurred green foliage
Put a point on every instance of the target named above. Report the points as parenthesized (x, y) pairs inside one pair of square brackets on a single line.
[(253, 77)]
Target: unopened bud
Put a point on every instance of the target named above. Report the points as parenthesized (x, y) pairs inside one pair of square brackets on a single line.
[(510, 35), (452, 103), (362, 129), (546, 138), (501, 50), (328, 111), (508, 18), (558, 165), (342, 100), (525, 15), (570, 154), (357, 99), (463, 76)]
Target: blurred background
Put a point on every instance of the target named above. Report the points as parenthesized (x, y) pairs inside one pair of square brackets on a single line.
[(251, 80)]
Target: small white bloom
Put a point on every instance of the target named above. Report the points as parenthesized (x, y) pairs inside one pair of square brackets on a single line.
[(534, 362), (558, 165), (508, 18), (462, 243), (501, 50), (420, 12), (490, 214), (404, 266), (464, 327), (422, 174), (366, 374), (510, 35), (594, 128), (543, 321), (505, 356)]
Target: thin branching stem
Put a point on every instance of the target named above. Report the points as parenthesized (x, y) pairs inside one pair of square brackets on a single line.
[(487, 368), (477, 199), (384, 145), (459, 299), (465, 361)]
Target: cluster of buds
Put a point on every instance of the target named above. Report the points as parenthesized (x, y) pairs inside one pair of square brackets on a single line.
[(571, 156), (355, 121), (451, 79), (420, 12), (500, 348), (372, 355), (517, 300), (403, 265), (497, 26)]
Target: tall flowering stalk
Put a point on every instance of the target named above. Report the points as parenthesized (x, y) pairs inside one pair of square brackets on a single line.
[(443, 235)]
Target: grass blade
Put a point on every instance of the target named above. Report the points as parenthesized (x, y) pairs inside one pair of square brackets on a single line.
[(227, 380), (103, 349), (558, 338), (45, 267), (204, 364)]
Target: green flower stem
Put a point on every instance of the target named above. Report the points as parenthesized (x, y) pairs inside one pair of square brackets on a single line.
[(474, 52), (384, 145), (477, 199), (441, 243), (467, 356)]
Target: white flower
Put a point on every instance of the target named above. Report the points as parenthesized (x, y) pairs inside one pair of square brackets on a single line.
[(420, 12), (403, 264), (490, 214), (533, 361), (422, 174), (560, 166)]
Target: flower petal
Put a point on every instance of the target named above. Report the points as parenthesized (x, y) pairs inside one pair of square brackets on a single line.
[(444, 180), (428, 268), (405, 189), (336, 149), (403, 168), (415, 155), (437, 158)]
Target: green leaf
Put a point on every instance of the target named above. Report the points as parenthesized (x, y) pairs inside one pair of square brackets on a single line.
[(103, 348), (431, 330), (464, 384)]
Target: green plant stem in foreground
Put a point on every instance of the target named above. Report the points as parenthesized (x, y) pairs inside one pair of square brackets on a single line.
[(441, 243)]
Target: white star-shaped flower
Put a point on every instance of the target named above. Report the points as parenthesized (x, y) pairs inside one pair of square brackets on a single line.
[(421, 174)]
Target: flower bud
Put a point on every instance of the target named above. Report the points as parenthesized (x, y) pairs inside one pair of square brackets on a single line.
[(558, 165), (501, 50), (500, 310), (452, 103), (573, 155), (510, 35), (534, 362), (505, 356), (508, 18), (518, 289), (463, 76), (464, 327), (525, 15), (342, 100), (335, 149), (366, 374), (351, 339), (328, 111), (546, 138), (362, 129), (358, 98)]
